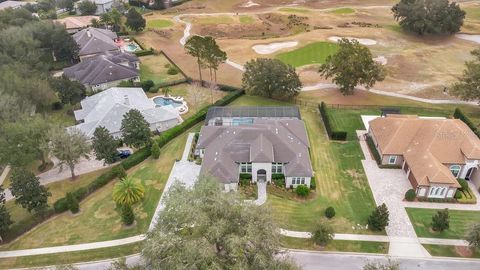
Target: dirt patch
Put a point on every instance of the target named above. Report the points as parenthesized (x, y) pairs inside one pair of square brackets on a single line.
[(464, 251), (357, 178)]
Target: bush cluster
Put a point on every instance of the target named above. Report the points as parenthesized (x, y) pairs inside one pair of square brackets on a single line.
[(458, 195), (458, 114), (410, 195), (172, 70), (313, 183), (338, 135), (302, 190), (374, 150), (278, 179), (330, 212)]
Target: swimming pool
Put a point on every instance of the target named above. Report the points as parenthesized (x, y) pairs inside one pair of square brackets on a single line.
[(163, 101), (131, 47), (242, 121)]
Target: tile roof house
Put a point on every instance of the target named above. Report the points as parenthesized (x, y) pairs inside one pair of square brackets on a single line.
[(260, 146), (11, 4), (93, 41), (106, 70), (433, 153), (75, 24), (108, 107)]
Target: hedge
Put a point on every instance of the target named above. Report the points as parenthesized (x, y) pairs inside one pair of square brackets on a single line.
[(458, 114), (144, 52), (338, 135), (374, 150)]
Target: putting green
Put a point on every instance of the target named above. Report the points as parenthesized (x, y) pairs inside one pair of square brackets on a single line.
[(343, 11), (159, 23), (315, 53)]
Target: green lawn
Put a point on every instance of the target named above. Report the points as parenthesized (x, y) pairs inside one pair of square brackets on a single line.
[(294, 10), (336, 245), (314, 53), (159, 23), (71, 257), (473, 13), (246, 19), (343, 11), (220, 19), (99, 220), (155, 68), (448, 251), (460, 222), (341, 182)]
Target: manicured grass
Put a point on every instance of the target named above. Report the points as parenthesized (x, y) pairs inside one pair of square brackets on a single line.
[(221, 19), (460, 222), (294, 10), (71, 257), (314, 53), (343, 11), (448, 251), (473, 13), (245, 19), (159, 23), (155, 68), (336, 245), (341, 182), (99, 220)]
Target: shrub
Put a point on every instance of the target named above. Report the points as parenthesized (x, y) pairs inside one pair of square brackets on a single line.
[(440, 221), (373, 150), (323, 234), (155, 150), (245, 182), (410, 195), (458, 114), (278, 179), (172, 70), (302, 190), (379, 219), (332, 134), (57, 105), (72, 203), (330, 212), (144, 52), (119, 171), (473, 236), (464, 184), (136, 158), (154, 90), (146, 85), (458, 195), (313, 183), (339, 135), (128, 217)]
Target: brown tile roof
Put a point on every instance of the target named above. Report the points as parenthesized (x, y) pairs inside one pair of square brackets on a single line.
[(427, 145), (77, 22)]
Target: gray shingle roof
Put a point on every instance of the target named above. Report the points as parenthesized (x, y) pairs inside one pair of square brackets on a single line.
[(266, 140), (108, 107), (109, 67), (95, 40)]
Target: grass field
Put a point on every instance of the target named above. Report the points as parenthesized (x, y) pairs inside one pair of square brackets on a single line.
[(159, 23), (70, 257), (343, 11), (99, 219), (473, 13), (460, 222), (155, 68), (448, 251), (341, 182), (246, 19), (294, 10), (220, 19), (337, 245), (314, 53)]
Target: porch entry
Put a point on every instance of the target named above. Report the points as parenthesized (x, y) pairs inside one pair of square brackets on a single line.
[(470, 173), (261, 175)]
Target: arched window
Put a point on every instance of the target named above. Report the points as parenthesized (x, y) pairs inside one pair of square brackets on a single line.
[(436, 191), (443, 190), (432, 190), (455, 169)]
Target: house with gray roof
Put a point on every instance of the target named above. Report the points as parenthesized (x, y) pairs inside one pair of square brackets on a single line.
[(106, 70), (93, 41), (107, 109), (264, 143)]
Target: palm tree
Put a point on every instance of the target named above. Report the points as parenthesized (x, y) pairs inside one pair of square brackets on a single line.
[(166, 90), (128, 192)]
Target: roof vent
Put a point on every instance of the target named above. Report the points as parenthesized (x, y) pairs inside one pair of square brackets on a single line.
[(126, 101), (88, 33)]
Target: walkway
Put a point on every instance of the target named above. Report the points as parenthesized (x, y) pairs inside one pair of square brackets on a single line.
[(4, 174), (261, 194)]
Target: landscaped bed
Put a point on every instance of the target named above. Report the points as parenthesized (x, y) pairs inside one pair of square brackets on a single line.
[(337, 245), (452, 251), (460, 222)]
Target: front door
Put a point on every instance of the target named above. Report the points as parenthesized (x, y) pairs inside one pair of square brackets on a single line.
[(469, 173), (261, 175)]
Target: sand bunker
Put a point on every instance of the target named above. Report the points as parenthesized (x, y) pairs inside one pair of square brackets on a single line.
[(363, 41), (273, 47), (382, 60), (474, 38), (250, 3)]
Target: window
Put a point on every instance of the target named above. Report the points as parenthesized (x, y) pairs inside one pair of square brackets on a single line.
[(455, 169), (303, 180), (245, 167), (277, 168), (431, 191), (441, 192), (392, 160), (436, 192)]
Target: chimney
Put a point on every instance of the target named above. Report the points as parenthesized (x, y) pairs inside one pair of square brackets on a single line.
[(88, 33), (125, 100)]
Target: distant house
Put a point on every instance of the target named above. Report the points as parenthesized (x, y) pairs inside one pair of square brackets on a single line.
[(75, 24), (107, 109), (93, 41), (433, 153), (103, 6), (12, 4), (256, 141), (104, 71)]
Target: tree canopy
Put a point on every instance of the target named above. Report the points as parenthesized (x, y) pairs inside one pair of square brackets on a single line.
[(270, 78), (128, 192), (468, 86), (352, 65), (104, 145), (28, 191), (205, 228), (429, 16), (135, 21), (135, 129), (68, 91), (87, 7)]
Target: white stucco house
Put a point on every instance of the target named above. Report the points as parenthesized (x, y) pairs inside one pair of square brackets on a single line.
[(259, 141)]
